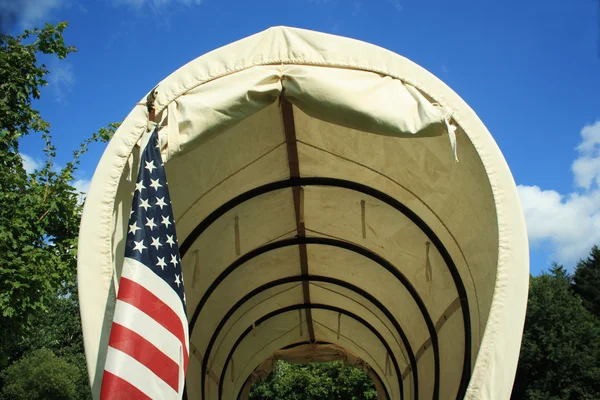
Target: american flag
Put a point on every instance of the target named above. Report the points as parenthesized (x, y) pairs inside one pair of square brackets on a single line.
[(148, 347)]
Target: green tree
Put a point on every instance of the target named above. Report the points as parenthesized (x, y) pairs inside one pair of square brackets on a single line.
[(41, 375), (560, 353), (586, 281), (333, 380), (58, 329), (39, 211), (39, 223)]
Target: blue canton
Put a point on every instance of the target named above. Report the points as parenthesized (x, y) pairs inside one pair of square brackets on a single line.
[(151, 237)]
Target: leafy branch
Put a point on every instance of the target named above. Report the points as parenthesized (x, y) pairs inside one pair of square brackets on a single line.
[(39, 211)]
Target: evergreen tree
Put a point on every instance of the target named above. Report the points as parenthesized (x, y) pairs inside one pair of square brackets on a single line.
[(560, 353), (586, 281)]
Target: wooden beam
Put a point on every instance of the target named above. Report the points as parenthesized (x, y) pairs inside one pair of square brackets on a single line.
[(289, 128)]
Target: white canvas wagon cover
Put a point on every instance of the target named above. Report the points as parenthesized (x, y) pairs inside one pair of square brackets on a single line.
[(333, 200)]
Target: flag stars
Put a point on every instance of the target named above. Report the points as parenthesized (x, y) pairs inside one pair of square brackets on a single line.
[(144, 203), (170, 240), (155, 184), (150, 223), (139, 246), (161, 263), (150, 166), (133, 228), (160, 202), (139, 187), (156, 243)]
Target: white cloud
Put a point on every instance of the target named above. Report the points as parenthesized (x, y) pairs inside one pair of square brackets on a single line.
[(82, 186), (160, 10), (155, 4), (37, 11), (569, 222), (586, 168), (28, 13), (396, 4), (30, 164), (61, 79)]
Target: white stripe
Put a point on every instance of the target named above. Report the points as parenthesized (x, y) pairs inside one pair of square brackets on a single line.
[(182, 372), (129, 369), (145, 326), (141, 274)]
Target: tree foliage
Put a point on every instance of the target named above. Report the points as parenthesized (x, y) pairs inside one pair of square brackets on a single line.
[(560, 353), (40, 211), (41, 351), (586, 281), (333, 380), (57, 329), (40, 375)]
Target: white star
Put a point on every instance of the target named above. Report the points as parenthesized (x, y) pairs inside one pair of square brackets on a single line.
[(145, 204), (140, 186), (150, 223), (139, 246), (165, 221), (150, 166), (177, 281), (160, 201), (161, 263), (156, 243), (131, 212), (184, 298), (133, 228), (173, 260), (155, 184), (170, 240)]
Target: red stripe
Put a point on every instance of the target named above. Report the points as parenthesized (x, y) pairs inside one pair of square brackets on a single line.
[(138, 296), (134, 345), (116, 388)]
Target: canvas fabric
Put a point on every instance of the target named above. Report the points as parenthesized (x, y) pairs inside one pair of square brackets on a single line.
[(362, 114)]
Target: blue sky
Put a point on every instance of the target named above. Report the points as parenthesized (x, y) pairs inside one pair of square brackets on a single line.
[(531, 70)]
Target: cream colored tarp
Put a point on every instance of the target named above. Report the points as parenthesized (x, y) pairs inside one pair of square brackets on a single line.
[(325, 191)]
